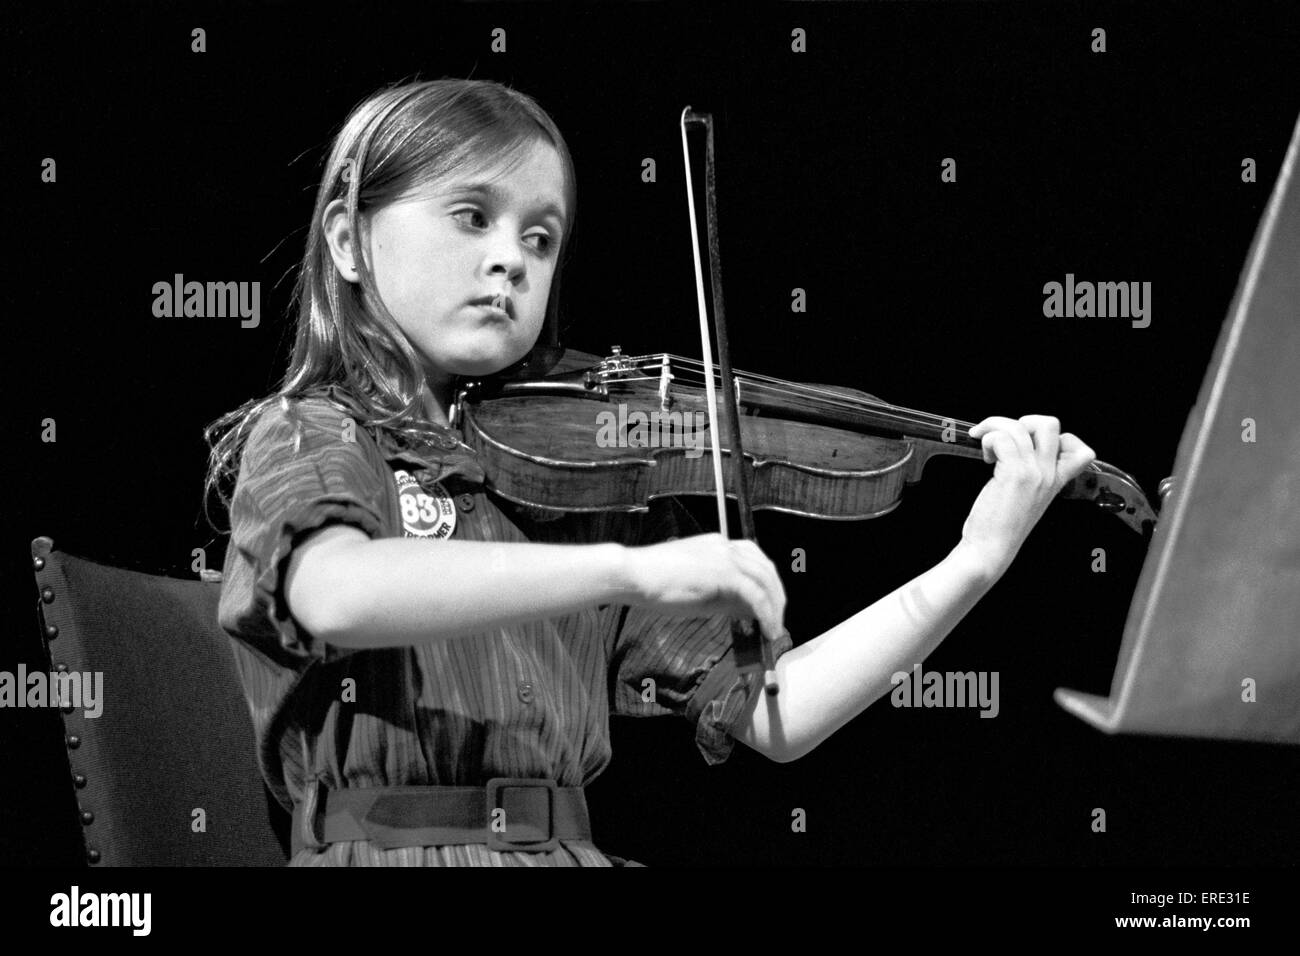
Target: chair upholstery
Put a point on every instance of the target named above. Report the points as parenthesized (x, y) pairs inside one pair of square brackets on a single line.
[(174, 735)]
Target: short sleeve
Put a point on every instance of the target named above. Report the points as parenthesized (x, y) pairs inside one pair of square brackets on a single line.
[(301, 470), (682, 666), (685, 667)]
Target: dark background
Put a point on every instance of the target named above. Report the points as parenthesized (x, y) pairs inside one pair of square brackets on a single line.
[(1116, 166)]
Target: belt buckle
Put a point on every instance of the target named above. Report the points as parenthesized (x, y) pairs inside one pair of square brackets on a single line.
[(498, 841)]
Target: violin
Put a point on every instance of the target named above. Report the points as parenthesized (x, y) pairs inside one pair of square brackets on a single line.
[(613, 434), (553, 442)]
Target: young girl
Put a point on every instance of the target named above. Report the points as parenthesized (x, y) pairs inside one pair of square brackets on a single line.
[(430, 670)]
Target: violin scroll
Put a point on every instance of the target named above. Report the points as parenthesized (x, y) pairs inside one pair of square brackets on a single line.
[(1115, 491)]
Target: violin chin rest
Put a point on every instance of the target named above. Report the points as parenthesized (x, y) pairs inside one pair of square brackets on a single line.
[(535, 364)]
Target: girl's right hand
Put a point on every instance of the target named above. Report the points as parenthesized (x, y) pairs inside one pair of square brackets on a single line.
[(708, 574)]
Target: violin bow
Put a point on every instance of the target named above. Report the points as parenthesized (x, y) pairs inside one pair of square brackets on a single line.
[(753, 653)]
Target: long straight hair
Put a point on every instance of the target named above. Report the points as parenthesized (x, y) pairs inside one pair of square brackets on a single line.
[(405, 136)]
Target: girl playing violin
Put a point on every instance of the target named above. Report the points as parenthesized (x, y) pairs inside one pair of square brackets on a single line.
[(431, 670)]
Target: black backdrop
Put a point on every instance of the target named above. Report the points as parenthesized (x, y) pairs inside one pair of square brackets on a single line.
[(1123, 165)]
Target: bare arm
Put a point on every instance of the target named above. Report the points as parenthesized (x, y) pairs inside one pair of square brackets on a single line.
[(352, 591), (831, 679), (834, 677)]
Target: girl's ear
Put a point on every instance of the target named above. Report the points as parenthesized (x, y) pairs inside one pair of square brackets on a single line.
[(338, 236)]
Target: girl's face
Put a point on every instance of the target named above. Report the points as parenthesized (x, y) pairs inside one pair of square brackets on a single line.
[(465, 265)]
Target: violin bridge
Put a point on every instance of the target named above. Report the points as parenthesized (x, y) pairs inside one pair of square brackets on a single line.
[(457, 408), (665, 385)]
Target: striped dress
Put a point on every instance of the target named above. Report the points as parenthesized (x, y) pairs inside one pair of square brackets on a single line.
[(530, 700)]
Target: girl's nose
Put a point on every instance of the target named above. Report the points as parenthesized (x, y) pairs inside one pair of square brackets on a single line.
[(504, 257)]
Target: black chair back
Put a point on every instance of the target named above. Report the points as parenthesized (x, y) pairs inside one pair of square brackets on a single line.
[(166, 774)]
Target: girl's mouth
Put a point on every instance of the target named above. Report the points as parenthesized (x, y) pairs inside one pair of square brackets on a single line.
[(498, 303)]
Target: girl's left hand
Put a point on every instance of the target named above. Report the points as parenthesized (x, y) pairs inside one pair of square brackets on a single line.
[(1033, 462)]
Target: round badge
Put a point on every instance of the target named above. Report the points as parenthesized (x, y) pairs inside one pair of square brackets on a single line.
[(424, 515)]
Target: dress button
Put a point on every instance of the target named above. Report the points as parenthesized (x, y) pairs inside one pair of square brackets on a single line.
[(526, 691), (465, 502)]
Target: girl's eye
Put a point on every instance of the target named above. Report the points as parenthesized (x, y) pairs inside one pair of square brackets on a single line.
[(470, 217), (475, 219)]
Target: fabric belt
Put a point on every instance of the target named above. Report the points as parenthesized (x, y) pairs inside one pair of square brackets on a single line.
[(509, 814)]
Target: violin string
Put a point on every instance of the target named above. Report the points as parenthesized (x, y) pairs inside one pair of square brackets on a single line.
[(827, 398), (912, 415), (781, 386), (834, 400), (843, 403)]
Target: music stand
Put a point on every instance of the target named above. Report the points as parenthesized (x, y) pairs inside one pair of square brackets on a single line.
[(1212, 642)]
